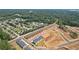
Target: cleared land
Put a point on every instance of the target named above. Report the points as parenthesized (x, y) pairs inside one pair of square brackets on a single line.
[(50, 37)]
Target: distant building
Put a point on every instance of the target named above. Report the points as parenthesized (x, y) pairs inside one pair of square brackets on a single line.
[(36, 39)]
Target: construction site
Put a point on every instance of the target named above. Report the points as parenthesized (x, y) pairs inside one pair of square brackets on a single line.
[(50, 37)]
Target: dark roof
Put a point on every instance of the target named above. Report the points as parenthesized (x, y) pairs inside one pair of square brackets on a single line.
[(38, 38), (21, 42)]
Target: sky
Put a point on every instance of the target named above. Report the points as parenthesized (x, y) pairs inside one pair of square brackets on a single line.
[(39, 4)]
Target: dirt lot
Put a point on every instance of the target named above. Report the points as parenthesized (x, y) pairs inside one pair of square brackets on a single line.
[(53, 38)]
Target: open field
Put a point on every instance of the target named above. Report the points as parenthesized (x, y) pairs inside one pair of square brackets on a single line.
[(52, 37)]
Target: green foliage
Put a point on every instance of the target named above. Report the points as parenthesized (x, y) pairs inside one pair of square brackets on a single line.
[(61, 25), (74, 35), (4, 45), (4, 38), (46, 16)]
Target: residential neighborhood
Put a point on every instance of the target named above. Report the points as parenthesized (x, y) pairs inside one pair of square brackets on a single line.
[(46, 29)]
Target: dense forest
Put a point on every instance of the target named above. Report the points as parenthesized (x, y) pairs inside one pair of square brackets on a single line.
[(67, 16), (4, 38)]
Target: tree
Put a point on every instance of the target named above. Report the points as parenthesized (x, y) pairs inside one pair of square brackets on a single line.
[(4, 38), (4, 45), (74, 35)]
